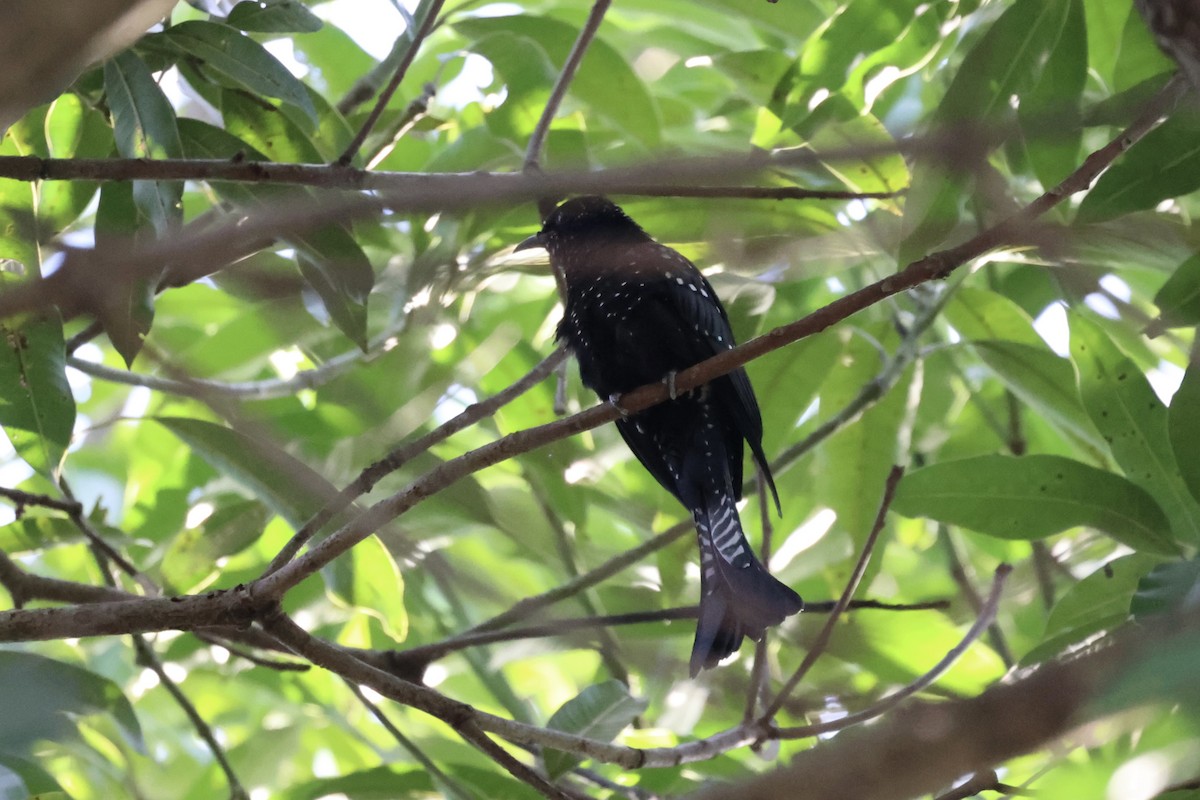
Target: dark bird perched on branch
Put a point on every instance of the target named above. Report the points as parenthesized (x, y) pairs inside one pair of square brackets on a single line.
[(638, 312)]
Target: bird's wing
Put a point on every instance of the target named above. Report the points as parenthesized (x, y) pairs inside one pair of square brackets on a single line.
[(706, 332)]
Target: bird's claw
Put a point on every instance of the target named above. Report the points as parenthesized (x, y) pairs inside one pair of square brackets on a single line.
[(669, 380), (614, 400)]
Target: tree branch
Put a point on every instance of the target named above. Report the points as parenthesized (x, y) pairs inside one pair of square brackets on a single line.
[(432, 8), (537, 140), (860, 568)]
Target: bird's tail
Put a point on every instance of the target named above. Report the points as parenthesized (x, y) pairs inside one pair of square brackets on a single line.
[(738, 597)]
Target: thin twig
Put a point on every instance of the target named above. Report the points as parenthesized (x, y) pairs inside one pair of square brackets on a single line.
[(758, 670), (431, 652), (986, 616), (431, 14), (440, 777), (245, 390), (22, 500), (470, 731), (149, 659), (958, 573), (394, 460), (537, 139), (860, 568), (97, 541)]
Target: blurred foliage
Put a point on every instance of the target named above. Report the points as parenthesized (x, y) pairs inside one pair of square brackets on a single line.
[(1039, 413)]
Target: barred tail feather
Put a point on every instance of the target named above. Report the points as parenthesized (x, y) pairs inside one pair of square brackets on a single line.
[(738, 597)]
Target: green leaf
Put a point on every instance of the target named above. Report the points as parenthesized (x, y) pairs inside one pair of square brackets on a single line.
[(1164, 673), (279, 480), (369, 582), (885, 172), (267, 129), (1183, 428), (144, 126), (1138, 56), (1127, 412), (981, 315), (1030, 497), (855, 461), (605, 81), (18, 222), (1049, 110), (1045, 382), (598, 712), (242, 61), (377, 783), (1005, 62), (1099, 602), (23, 780), (274, 16), (1164, 164), (1168, 588), (338, 270), (119, 216), (37, 409), (193, 554), (73, 130), (43, 697), (1178, 300)]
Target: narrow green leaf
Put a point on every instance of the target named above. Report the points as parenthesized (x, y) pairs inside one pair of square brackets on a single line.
[(274, 16), (144, 126), (192, 555), (981, 315), (1183, 428), (1034, 496), (598, 712), (368, 581), (338, 270), (24, 780), (241, 60), (43, 697), (1049, 110), (267, 129), (119, 217), (1178, 300), (1005, 62), (1045, 382), (18, 223), (1164, 164), (1099, 602), (1138, 56), (1127, 412), (37, 409), (73, 130), (282, 482), (854, 463), (1169, 587), (886, 172)]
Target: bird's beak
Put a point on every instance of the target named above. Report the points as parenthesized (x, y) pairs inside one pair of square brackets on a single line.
[(530, 243)]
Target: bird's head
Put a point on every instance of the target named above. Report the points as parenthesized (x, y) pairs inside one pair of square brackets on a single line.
[(584, 222)]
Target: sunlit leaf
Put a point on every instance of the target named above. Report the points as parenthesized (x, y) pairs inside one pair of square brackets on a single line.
[(1034, 496), (37, 409), (240, 60), (274, 16), (144, 125), (1133, 421)]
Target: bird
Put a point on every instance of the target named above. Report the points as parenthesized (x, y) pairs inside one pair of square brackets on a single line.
[(637, 312)]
